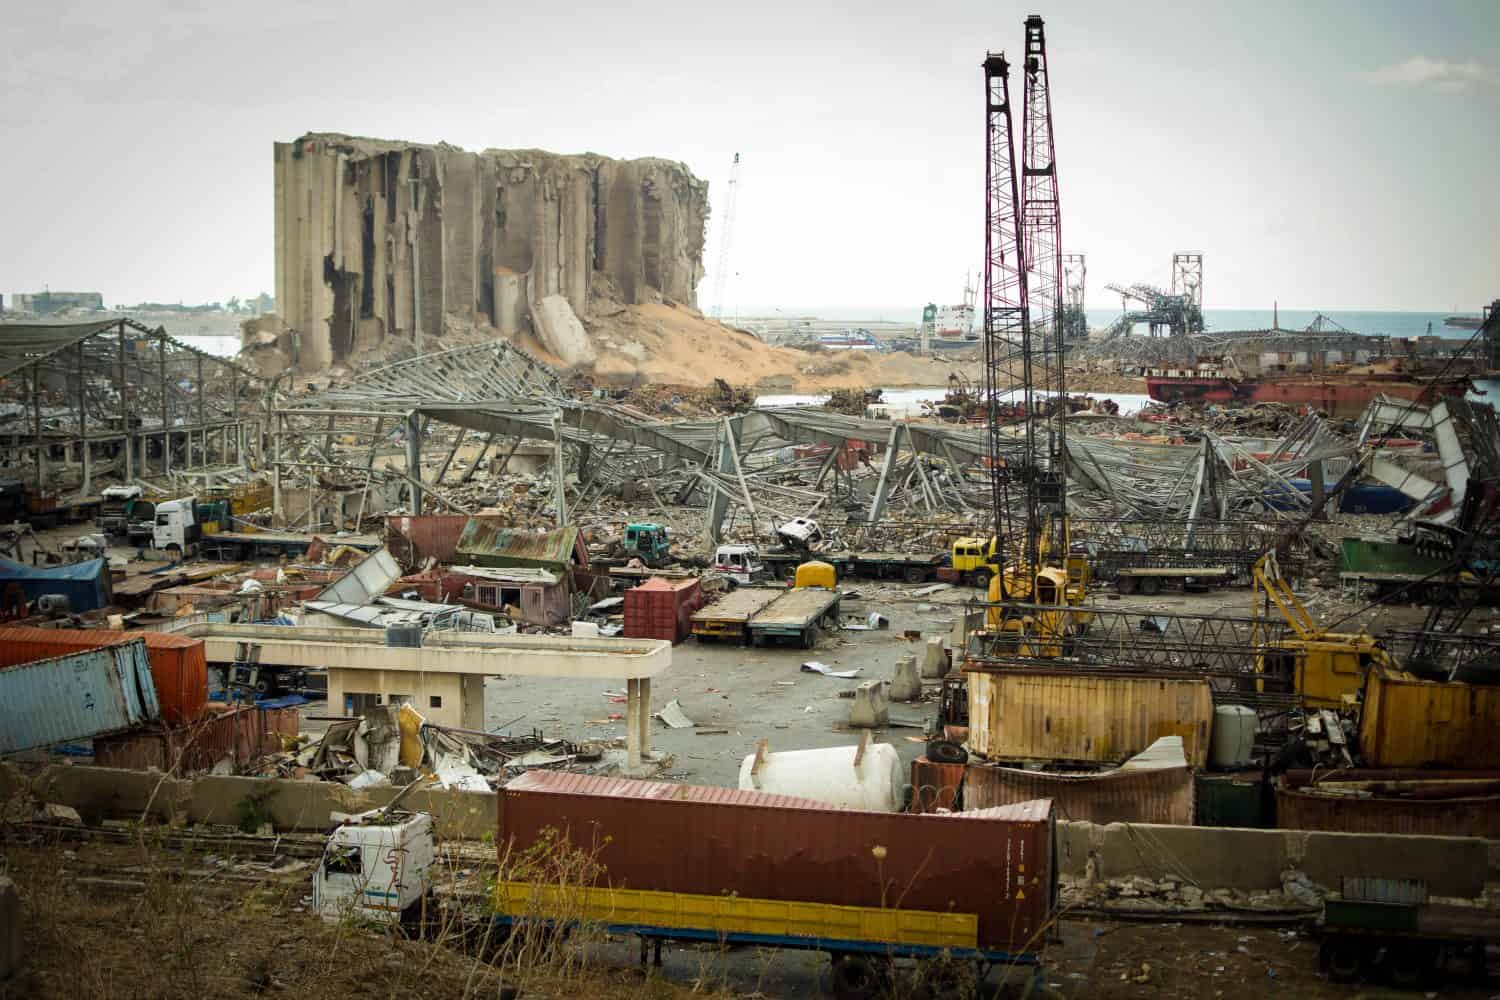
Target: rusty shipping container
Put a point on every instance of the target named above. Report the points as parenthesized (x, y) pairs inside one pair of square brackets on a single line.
[(179, 666), (661, 836), (934, 786), (1304, 809), (76, 696), (1158, 795), (1408, 722), (415, 539), (241, 735), (1076, 716)]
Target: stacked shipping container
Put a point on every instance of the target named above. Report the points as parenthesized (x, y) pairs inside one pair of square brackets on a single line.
[(179, 666)]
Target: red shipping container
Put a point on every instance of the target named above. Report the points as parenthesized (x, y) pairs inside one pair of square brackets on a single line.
[(179, 665), (658, 835), (662, 609)]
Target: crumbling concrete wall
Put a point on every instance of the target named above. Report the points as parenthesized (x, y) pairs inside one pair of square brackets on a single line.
[(378, 240)]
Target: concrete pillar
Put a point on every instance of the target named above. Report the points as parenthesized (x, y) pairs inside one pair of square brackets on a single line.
[(906, 683), (935, 659), (414, 460), (871, 707), (637, 721), (471, 702)]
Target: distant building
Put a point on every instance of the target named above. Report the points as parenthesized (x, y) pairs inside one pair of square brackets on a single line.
[(47, 303)]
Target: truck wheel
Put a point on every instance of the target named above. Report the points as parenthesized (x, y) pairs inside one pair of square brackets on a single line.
[(981, 579), (787, 571), (1343, 959), (1411, 965), (915, 574), (810, 636), (1125, 585), (855, 978), (1151, 586)]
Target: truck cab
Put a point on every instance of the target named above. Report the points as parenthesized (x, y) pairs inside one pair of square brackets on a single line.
[(648, 542), (177, 528), (376, 866), (800, 533), (971, 558), (741, 563), (116, 506)]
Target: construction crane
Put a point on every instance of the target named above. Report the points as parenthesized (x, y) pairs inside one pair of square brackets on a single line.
[(1176, 314), (1023, 342), (1075, 317), (726, 233)]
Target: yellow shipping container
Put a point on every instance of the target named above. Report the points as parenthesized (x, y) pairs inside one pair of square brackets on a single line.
[(1408, 722), (1086, 717)]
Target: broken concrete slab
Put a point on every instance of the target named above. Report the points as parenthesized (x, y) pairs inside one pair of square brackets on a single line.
[(559, 330)]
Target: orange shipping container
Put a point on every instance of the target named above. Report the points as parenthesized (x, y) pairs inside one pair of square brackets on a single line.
[(179, 665)]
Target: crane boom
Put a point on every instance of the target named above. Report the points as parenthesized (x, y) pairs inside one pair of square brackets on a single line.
[(726, 233)]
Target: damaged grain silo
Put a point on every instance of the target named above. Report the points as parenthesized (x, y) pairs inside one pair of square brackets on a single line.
[(379, 241)]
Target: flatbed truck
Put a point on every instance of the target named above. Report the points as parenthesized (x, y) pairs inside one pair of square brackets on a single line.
[(729, 616), (1152, 580), (1399, 936), (801, 614)]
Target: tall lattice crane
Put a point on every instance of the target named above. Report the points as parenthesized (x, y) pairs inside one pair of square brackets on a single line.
[(726, 233), (1041, 240)]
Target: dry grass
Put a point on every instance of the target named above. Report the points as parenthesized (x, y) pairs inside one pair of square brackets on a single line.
[(117, 921)]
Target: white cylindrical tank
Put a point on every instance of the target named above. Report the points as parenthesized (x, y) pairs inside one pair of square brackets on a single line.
[(1233, 741), (829, 775)]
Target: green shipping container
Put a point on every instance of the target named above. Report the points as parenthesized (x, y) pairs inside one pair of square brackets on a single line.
[(1367, 555), (1230, 800)]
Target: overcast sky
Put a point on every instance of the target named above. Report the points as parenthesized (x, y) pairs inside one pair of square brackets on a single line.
[(1338, 155)]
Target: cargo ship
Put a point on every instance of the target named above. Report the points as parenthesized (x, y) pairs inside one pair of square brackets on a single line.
[(1339, 394)]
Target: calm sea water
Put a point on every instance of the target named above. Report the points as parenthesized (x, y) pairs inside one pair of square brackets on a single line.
[(1394, 324)]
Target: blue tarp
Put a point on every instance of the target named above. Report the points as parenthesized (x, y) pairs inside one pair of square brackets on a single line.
[(85, 583), (1360, 498)]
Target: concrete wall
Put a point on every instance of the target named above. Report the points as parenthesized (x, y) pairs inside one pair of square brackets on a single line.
[(461, 696), (379, 239), (1227, 858)]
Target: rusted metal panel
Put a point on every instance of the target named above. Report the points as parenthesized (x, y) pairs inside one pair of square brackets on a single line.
[(413, 540), (1300, 809), (179, 666), (242, 735), (995, 863), (85, 693), (1408, 722), (934, 786), (490, 543), (1100, 718), (1158, 795)]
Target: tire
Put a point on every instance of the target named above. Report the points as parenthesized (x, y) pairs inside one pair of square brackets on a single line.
[(1411, 965), (946, 752), (1151, 586), (1342, 958), (915, 574), (855, 978), (1126, 585), (981, 579), (787, 571)]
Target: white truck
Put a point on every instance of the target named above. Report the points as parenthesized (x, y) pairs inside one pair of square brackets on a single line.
[(115, 508), (741, 563), (177, 528), (377, 865)]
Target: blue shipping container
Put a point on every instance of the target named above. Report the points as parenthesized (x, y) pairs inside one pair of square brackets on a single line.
[(86, 584), (76, 697)]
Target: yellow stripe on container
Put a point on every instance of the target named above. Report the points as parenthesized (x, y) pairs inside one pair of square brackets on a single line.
[(733, 915)]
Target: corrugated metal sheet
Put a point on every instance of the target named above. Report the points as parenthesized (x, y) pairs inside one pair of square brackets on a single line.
[(1157, 795), (1298, 809), (1101, 718), (77, 696), (179, 665), (371, 577), (1401, 891), (934, 786), (242, 735), (487, 543), (1408, 722), (684, 838)]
